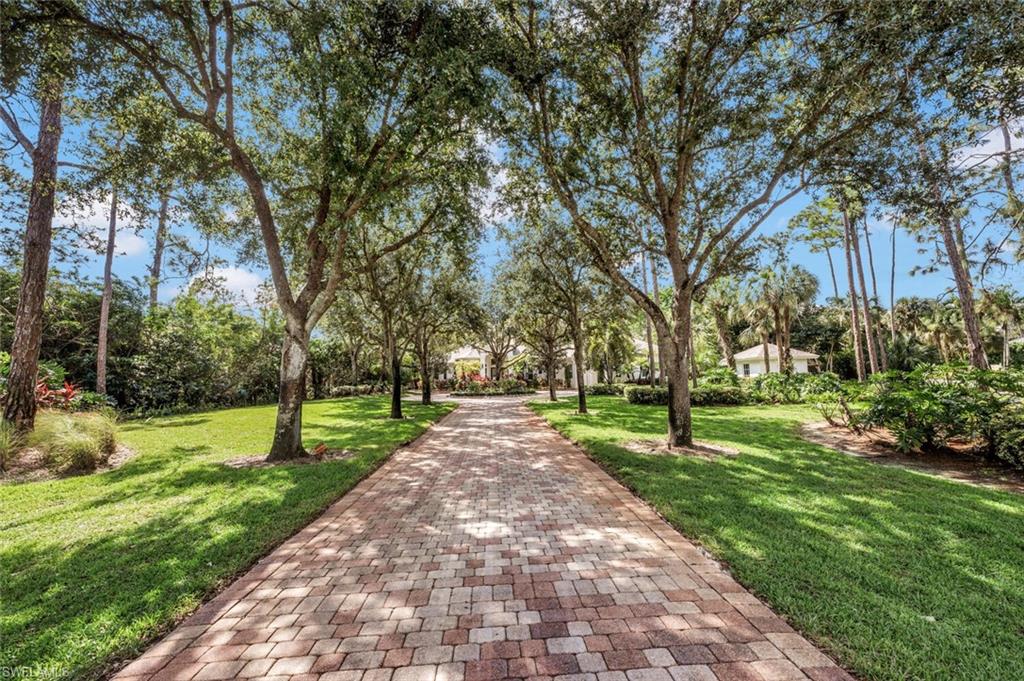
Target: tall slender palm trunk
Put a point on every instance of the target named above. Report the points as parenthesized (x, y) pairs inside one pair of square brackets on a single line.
[(647, 320), (159, 241), (956, 254), (858, 353), (108, 293), (883, 358), (865, 300), (892, 287), (657, 299), (832, 272)]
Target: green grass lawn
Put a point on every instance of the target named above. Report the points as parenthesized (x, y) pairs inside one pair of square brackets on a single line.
[(93, 567), (900, 575)]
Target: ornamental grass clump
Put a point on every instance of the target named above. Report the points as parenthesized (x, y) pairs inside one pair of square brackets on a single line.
[(74, 442)]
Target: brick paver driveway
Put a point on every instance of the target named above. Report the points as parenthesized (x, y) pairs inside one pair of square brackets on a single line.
[(490, 549)]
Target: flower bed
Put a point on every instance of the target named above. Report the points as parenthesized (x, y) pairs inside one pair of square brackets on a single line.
[(471, 385)]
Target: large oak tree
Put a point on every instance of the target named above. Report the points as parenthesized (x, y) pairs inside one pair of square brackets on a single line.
[(323, 110), (698, 118)]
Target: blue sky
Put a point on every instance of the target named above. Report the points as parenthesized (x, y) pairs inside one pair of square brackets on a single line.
[(134, 247), (135, 241)]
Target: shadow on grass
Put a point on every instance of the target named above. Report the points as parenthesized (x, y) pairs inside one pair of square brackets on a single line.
[(97, 566), (902, 575)]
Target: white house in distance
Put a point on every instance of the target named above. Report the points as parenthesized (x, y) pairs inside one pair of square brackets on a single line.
[(469, 357), (750, 362)]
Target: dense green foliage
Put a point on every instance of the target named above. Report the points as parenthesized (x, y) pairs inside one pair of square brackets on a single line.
[(717, 388), (190, 354), (96, 566), (900, 575), (605, 389), (935, 405)]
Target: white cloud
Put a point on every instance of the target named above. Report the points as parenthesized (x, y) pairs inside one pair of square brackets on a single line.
[(94, 221), (240, 283), (986, 150)]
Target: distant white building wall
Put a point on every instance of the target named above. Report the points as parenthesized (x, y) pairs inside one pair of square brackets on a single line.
[(750, 362), (752, 367)]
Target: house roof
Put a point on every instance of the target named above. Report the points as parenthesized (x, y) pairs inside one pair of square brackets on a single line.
[(757, 352)]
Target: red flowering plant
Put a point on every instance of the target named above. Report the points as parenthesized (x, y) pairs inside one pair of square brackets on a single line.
[(61, 397), (472, 383)]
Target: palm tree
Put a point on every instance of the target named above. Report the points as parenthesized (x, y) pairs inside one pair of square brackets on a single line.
[(759, 319), (1006, 310), (799, 289), (721, 301)]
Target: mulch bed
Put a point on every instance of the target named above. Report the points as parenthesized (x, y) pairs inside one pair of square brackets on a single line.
[(315, 456), (28, 466), (704, 450), (957, 463)]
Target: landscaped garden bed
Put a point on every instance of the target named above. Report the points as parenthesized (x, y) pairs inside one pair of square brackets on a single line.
[(475, 385)]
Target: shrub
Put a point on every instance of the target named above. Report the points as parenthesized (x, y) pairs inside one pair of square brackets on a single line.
[(75, 442), (777, 388), (934, 404), (86, 400), (835, 408), (354, 390), (645, 394), (475, 384), (710, 395), (605, 389), (812, 385), (720, 376), (1008, 431)]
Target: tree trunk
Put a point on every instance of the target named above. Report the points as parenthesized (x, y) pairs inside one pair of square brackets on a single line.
[(1006, 345), (779, 342), (724, 344), (694, 371), (158, 252), (883, 358), (892, 288), (680, 420), (550, 368), (577, 359), (786, 351), (1004, 127), (647, 320), (657, 301), (764, 351), (425, 388), (396, 384), (865, 300), (354, 363), (858, 353), (832, 271), (952, 238), (20, 407), (291, 392), (965, 291), (108, 292)]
